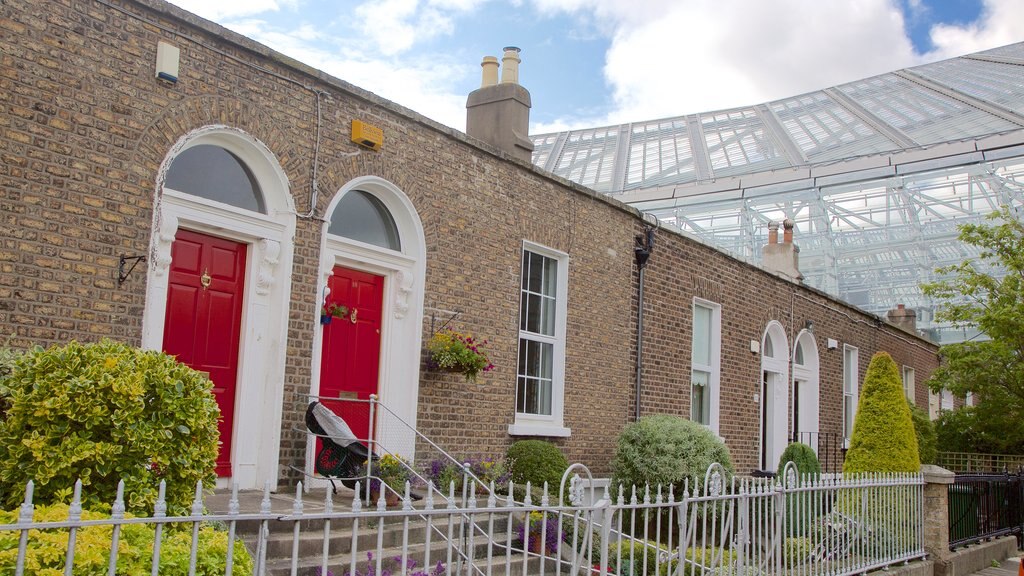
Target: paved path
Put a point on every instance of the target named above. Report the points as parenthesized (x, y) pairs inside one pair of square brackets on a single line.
[(1009, 567)]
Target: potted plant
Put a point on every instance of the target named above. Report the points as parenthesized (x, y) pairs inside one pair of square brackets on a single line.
[(452, 351), (332, 310), (539, 535), (390, 474)]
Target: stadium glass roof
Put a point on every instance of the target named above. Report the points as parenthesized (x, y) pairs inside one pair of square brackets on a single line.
[(876, 173)]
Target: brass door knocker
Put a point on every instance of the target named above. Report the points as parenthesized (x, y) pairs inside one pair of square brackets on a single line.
[(205, 279), (352, 316)]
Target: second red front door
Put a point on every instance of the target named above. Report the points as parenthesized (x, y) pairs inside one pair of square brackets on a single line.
[(350, 362)]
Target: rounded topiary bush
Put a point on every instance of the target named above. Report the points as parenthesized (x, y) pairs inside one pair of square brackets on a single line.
[(883, 437), (927, 438), (803, 457), (101, 413), (537, 462), (665, 450)]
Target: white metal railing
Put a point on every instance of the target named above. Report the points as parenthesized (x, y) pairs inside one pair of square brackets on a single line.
[(719, 525)]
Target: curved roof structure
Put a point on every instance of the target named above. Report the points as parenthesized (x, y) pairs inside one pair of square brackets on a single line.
[(876, 173)]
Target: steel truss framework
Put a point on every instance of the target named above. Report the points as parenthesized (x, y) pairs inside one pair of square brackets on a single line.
[(877, 174)]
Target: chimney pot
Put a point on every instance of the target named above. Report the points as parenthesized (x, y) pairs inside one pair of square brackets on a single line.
[(510, 65), (490, 71), (787, 232), (773, 232)]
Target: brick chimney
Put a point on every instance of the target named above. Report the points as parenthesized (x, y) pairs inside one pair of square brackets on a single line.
[(782, 257), (903, 317), (499, 112)]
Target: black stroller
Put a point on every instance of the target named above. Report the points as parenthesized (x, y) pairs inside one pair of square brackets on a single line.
[(342, 455)]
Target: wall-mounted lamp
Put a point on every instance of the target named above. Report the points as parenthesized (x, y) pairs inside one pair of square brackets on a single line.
[(167, 56), (755, 347), (809, 325), (831, 344)]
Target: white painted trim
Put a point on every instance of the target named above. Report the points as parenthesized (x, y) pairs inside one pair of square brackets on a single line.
[(807, 384), (715, 368), (854, 370), (775, 404), (534, 424), (262, 350), (404, 275)]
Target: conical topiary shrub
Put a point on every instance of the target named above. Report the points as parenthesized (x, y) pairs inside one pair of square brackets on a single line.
[(883, 432)]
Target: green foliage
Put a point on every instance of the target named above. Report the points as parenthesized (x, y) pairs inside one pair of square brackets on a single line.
[(924, 428), (45, 554), (536, 461), (103, 412), (633, 554), (718, 561), (7, 358), (803, 457), (666, 450), (883, 437), (971, 295), (807, 465), (796, 550)]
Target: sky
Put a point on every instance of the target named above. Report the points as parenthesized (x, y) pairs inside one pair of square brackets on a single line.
[(590, 63)]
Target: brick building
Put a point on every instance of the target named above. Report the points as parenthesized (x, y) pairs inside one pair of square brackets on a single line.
[(238, 181)]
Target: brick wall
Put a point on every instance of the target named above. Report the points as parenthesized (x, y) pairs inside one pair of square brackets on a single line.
[(85, 127)]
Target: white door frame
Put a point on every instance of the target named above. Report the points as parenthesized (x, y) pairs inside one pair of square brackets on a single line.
[(404, 273), (806, 385), (774, 401), (259, 391)]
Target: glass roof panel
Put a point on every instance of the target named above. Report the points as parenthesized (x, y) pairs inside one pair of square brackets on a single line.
[(824, 130), (738, 142), (1001, 84), (542, 147), (588, 157), (924, 115), (659, 153)]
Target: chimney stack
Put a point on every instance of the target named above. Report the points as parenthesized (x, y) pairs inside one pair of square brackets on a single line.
[(903, 317), (499, 112), (782, 257)]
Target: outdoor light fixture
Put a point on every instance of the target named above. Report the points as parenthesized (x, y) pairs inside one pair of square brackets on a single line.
[(831, 344), (809, 325)]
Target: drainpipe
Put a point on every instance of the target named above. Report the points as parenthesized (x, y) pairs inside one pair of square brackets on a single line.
[(642, 251)]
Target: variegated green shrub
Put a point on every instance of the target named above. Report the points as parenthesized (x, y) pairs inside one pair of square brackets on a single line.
[(45, 555), (104, 412)]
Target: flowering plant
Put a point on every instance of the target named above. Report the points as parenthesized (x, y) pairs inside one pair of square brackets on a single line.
[(334, 310), (392, 470), (535, 526), (457, 352), (488, 469)]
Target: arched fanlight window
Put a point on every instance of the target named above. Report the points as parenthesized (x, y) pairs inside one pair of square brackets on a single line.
[(362, 216), (798, 355), (769, 349), (212, 172)]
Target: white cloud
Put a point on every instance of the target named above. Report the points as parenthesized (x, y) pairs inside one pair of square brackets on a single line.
[(1001, 23)]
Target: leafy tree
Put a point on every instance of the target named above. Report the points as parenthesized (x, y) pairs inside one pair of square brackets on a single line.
[(926, 436), (883, 437), (987, 292)]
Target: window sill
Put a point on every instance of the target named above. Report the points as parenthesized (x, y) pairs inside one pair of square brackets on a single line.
[(539, 430)]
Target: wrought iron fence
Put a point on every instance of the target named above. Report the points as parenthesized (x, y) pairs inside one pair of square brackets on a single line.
[(985, 506), (828, 446), (718, 524)]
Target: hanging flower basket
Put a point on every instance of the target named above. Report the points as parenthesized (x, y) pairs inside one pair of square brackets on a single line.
[(458, 353), (331, 311)]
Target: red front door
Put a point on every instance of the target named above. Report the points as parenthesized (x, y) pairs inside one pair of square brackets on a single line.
[(351, 346), (204, 317)]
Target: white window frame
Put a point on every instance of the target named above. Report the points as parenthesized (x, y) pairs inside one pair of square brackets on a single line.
[(714, 369), (851, 392), (946, 400), (537, 424), (909, 384)]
